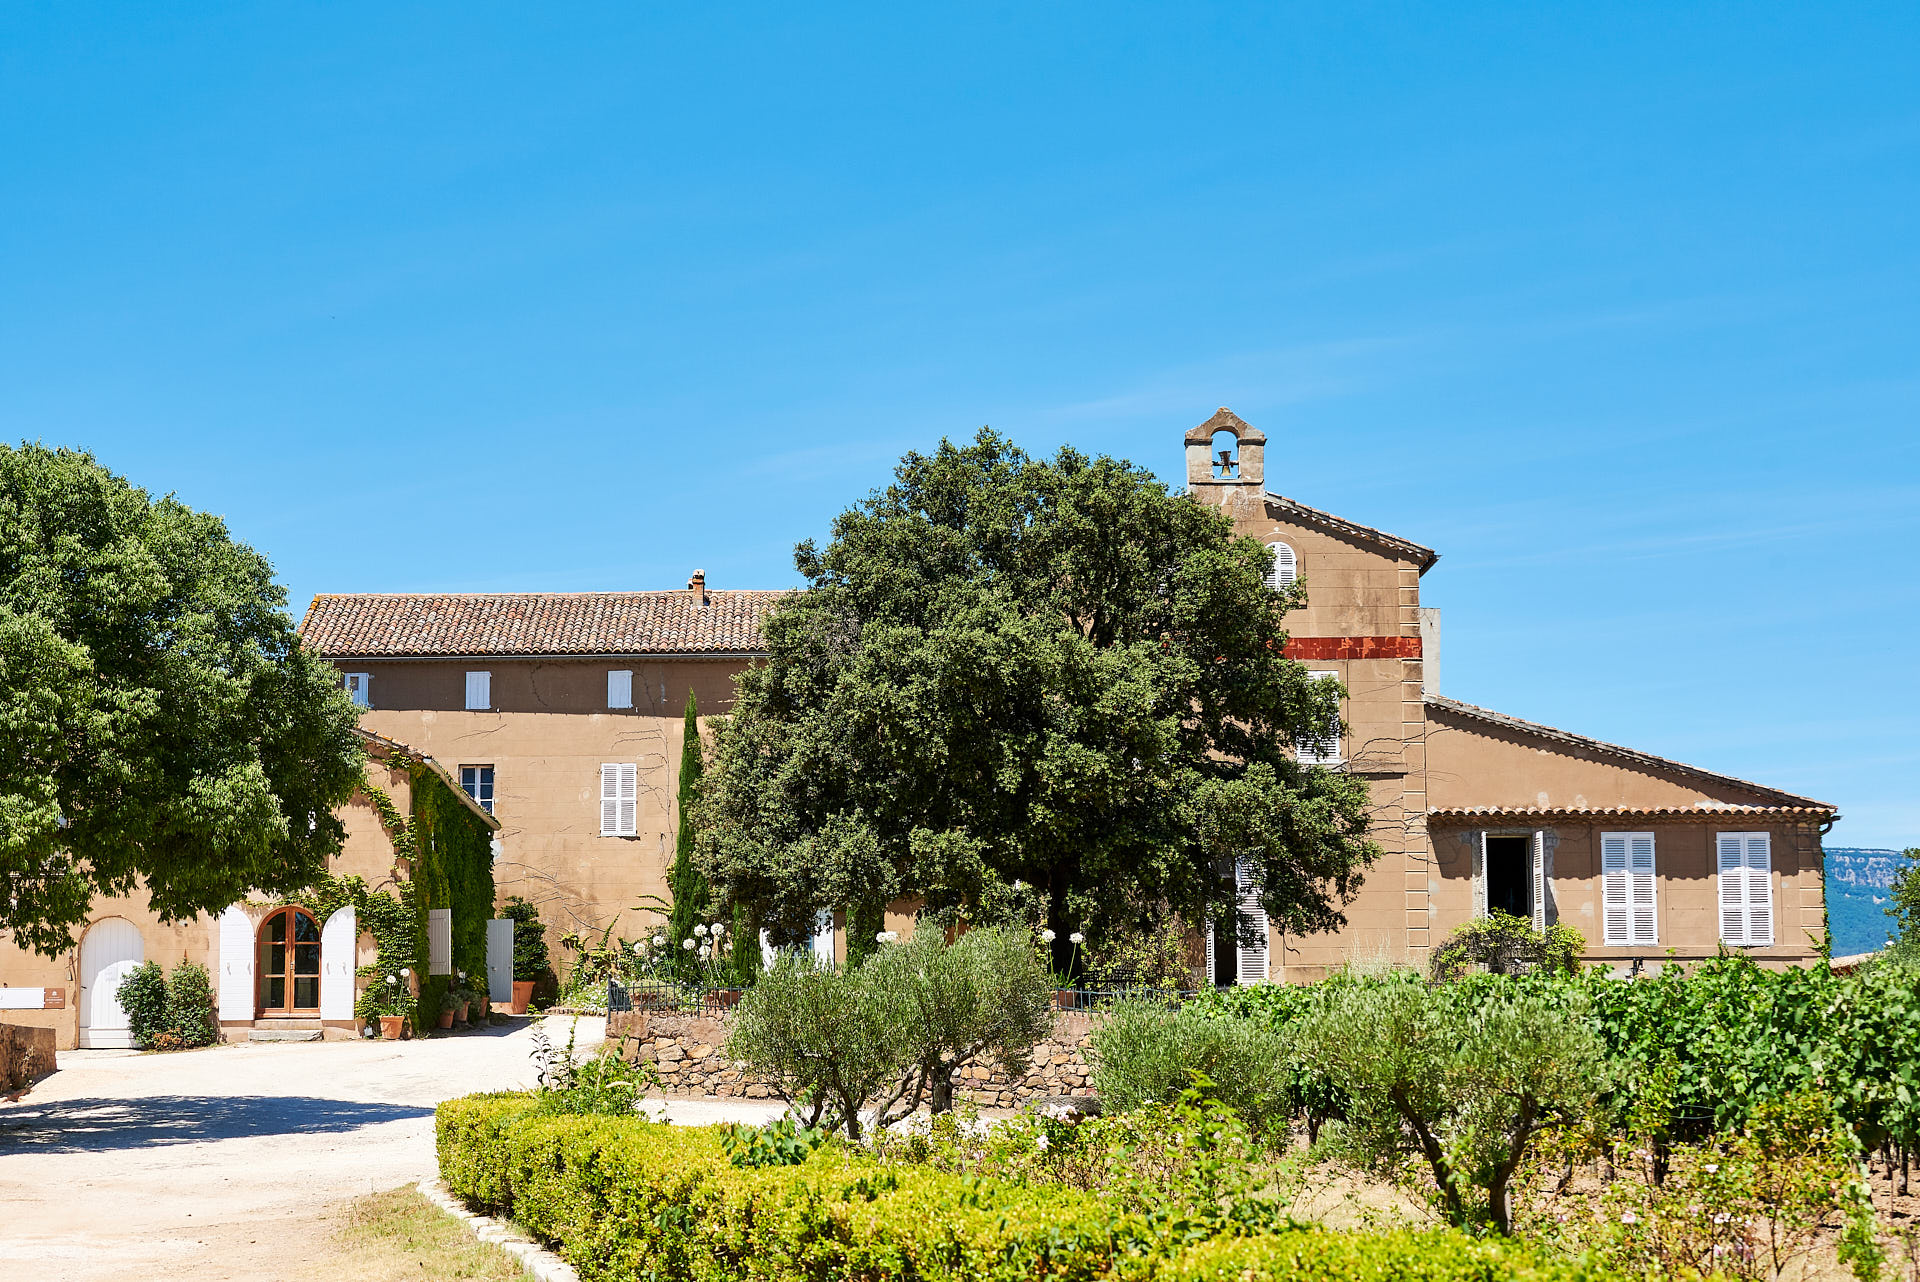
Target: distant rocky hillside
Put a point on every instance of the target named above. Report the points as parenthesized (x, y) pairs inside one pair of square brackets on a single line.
[(1857, 882)]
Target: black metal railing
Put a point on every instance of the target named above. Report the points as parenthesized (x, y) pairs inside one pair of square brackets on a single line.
[(670, 999)]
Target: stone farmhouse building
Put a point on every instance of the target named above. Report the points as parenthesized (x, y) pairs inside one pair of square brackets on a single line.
[(558, 715)]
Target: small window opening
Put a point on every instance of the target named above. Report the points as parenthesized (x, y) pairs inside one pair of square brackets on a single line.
[(1510, 875), (1226, 455)]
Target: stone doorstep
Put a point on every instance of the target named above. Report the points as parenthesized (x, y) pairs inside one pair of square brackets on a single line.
[(283, 1034)]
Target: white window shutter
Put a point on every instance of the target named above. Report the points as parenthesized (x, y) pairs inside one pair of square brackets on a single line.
[(1208, 929), (237, 999), (1730, 856), (1760, 889), (1616, 918), (620, 689), (1539, 880), (357, 689), (1479, 874), (1646, 922), (1283, 567), (479, 691), (439, 941), (610, 800), (629, 800), (1745, 862), (1252, 968)]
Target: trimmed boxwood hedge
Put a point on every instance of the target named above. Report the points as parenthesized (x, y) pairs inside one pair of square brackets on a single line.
[(628, 1199)]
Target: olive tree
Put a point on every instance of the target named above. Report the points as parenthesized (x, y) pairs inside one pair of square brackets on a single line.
[(1466, 1077), (823, 1038), (987, 996)]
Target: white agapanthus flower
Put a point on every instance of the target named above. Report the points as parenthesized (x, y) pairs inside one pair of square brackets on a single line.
[(690, 944), (715, 928), (659, 941), (886, 937), (1047, 935), (640, 948), (404, 972), (700, 931), (1077, 937)]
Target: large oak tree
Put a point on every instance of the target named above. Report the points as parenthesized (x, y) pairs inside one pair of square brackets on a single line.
[(160, 725), (1021, 686)]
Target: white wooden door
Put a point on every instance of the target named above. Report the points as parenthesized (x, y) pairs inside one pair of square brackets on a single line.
[(111, 949), (500, 959), (338, 940), (237, 998)]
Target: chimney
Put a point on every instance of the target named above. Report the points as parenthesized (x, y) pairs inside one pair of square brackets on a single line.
[(1429, 650), (698, 584)]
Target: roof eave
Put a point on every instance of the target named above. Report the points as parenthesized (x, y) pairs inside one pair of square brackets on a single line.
[(1423, 556)]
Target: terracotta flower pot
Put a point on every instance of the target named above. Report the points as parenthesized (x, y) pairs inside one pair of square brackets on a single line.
[(392, 1026), (522, 994), (727, 997), (460, 1016), (1063, 999), (445, 1020)]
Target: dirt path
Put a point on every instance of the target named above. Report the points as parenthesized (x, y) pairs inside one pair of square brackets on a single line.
[(230, 1162)]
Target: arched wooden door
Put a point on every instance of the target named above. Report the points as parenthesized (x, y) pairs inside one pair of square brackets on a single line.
[(289, 967), (112, 948)]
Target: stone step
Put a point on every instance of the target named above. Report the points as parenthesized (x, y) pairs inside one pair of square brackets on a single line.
[(286, 1021), (283, 1034)]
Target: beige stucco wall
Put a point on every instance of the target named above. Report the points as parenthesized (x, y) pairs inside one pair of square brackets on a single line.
[(546, 737), (366, 853)]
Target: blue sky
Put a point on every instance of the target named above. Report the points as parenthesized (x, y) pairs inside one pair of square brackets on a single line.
[(1614, 305)]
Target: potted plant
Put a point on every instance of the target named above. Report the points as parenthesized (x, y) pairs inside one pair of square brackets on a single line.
[(460, 995), (394, 998), (449, 1007), (529, 951)]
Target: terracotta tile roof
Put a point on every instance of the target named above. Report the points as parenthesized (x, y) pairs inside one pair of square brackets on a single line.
[(1426, 556), (1704, 814), (1787, 800), (470, 625)]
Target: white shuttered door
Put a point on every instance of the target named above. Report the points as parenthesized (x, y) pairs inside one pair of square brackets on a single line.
[(1253, 957), (236, 964), (1745, 862), (439, 941), (1627, 908), (338, 940)]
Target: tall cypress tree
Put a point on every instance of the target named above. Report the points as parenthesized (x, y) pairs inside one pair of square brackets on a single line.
[(691, 894)]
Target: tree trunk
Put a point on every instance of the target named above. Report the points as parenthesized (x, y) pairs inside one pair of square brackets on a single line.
[(940, 1088)]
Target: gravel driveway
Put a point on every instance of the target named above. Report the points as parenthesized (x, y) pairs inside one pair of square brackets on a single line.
[(231, 1162)]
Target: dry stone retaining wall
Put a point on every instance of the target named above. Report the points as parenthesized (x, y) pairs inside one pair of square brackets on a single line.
[(686, 1051)]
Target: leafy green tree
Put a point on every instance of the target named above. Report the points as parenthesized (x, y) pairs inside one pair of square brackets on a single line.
[(530, 959), (1013, 671), (825, 1039), (986, 995), (160, 724), (1466, 1077), (1904, 907), (686, 884)]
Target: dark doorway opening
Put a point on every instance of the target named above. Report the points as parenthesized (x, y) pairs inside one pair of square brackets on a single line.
[(1226, 956), (1510, 875)]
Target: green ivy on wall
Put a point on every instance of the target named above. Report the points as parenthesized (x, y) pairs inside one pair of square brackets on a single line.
[(449, 854)]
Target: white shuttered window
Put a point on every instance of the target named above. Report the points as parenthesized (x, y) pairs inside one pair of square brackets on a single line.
[(1627, 904), (1283, 567), (620, 689), (1252, 968), (479, 691), (619, 799), (1746, 888), (357, 688), (1323, 749)]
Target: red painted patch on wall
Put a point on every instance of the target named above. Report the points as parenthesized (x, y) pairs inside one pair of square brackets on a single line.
[(1353, 648)]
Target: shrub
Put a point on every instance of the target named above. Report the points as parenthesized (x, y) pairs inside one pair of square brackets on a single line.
[(190, 1015), (1465, 1079), (1503, 944), (1147, 1052), (530, 961), (601, 1085), (987, 995), (625, 1198), (824, 1039), (143, 996), (1153, 957)]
